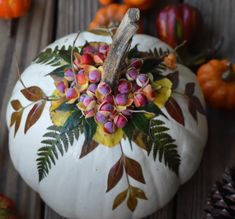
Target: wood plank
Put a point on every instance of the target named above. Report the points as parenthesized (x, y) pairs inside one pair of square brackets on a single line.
[(31, 34), (220, 150)]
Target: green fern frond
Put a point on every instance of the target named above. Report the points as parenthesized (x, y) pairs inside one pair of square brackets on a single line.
[(56, 56), (164, 145), (56, 140)]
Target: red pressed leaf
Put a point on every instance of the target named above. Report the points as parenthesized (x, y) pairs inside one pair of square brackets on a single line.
[(16, 105), (115, 174), (174, 78), (88, 147), (174, 110), (189, 89), (119, 199), (192, 109), (197, 103), (132, 202), (33, 93), (15, 120), (134, 169), (34, 115)]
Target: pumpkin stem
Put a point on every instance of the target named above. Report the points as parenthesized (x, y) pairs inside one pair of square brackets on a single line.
[(229, 75), (120, 46)]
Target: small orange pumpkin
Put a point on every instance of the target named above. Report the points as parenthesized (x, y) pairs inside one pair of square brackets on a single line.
[(13, 8), (110, 16), (217, 80), (105, 2), (141, 4)]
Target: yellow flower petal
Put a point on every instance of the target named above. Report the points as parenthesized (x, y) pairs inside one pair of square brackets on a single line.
[(109, 140), (162, 90)]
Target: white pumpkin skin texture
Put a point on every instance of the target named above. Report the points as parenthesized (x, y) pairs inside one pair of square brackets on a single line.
[(76, 188)]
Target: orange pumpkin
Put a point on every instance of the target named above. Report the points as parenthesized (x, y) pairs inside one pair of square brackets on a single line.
[(110, 16), (217, 80), (13, 8), (105, 2), (141, 4)]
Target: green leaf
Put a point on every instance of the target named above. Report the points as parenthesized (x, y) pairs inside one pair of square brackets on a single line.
[(74, 120), (141, 122), (57, 139), (56, 56), (153, 108), (66, 107), (58, 72), (90, 127), (164, 145), (134, 53)]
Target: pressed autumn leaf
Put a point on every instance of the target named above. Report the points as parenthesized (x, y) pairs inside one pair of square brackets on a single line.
[(16, 105), (109, 140), (33, 93), (119, 199), (189, 89), (34, 115), (16, 119), (134, 169), (132, 202), (192, 109), (174, 110), (162, 91), (138, 193), (88, 147), (115, 174)]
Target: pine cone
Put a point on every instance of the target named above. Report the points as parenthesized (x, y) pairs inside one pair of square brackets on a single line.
[(221, 202)]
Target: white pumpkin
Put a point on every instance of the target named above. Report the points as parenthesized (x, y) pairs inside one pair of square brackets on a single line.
[(76, 188)]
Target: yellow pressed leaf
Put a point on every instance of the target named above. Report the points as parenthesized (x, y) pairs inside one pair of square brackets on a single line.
[(109, 140), (162, 90), (59, 118)]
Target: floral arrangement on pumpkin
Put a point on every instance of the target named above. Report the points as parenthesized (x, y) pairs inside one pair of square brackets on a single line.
[(82, 103)]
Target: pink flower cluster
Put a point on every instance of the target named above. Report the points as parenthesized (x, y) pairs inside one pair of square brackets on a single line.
[(84, 87)]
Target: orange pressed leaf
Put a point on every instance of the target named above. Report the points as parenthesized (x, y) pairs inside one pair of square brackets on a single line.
[(15, 120), (132, 202), (33, 93), (134, 169), (34, 115), (119, 199), (115, 174), (138, 193), (16, 105)]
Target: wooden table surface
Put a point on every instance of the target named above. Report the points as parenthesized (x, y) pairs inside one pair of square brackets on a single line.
[(51, 19)]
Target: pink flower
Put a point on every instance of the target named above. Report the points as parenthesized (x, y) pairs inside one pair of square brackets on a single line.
[(104, 89), (139, 99), (94, 76), (124, 86), (68, 74), (101, 117), (137, 63), (91, 89), (82, 77), (132, 74), (120, 121), (106, 108), (109, 127), (121, 99), (142, 80), (60, 86)]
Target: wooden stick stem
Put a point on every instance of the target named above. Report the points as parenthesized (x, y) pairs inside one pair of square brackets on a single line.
[(120, 46)]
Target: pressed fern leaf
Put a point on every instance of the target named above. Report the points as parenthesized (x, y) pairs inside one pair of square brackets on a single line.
[(56, 56), (56, 140), (164, 145)]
